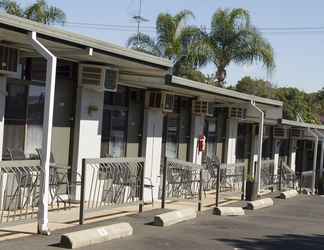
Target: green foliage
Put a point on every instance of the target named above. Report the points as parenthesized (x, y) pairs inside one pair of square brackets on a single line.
[(294, 100), (173, 41), (12, 8), (40, 11), (256, 87), (297, 102), (250, 178), (232, 39)]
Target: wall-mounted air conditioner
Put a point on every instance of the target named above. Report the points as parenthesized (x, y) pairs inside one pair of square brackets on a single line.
[(280, 133), (296, 133), (309, 145), (101, 78), (267, 131), (237, 113), (200, 107), (160, 100), (9, 58)]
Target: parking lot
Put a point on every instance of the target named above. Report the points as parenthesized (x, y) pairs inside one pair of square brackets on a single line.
[(291, 224)]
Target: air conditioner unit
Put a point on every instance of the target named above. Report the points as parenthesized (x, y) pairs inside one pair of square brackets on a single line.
[(296, 133), (160, 100), (200, 107), (267, 131), (9, 58), (309, 145), (237, 113), (99, 78), (280, 133)]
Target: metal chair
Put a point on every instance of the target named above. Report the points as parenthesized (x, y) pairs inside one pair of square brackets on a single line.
[(26, 182), (58, 181)]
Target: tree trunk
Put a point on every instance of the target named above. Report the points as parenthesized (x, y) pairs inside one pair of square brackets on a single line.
[(220, 75)]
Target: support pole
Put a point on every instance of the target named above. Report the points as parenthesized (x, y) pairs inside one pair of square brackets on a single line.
[(260, 140), (322, 159), (314, 160), (47, 132)]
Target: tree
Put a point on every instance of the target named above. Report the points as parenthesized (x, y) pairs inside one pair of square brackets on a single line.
[(173, 41), (232, 39), (256, 87), (294, 100), (12, 8), (40, 11), (297, 102)]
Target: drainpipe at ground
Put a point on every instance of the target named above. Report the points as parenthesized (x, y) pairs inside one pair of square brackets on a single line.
[(260, 139), (47, 132)]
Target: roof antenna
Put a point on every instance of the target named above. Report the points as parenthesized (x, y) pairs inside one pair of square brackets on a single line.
[(139, 19)]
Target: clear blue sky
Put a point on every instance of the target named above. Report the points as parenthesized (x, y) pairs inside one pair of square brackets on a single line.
[(299, 56)]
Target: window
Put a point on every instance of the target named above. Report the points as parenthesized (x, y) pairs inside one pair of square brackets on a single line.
[(114, 123), (23, 117)]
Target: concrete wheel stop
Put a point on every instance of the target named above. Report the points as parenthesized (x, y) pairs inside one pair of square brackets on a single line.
[(96, 235), (174, 217), (258, 204), (229, 211), (288, 194)]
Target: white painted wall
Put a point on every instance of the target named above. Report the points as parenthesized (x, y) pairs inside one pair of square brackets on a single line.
[(152, 150), (87, 137), (231, 138), (197, 129), (292, 154), (276, 148), (3, 90)]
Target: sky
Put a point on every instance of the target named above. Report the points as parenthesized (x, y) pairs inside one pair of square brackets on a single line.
[(299, 55)]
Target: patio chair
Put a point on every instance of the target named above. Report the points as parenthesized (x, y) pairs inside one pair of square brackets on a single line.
[(58, 181), (26, 184), (212, 164)]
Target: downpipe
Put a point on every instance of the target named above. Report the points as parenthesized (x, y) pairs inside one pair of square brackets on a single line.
[(314, 159), (260, 142), (47, 131)]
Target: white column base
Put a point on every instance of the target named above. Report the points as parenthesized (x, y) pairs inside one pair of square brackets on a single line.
[(152, 149)]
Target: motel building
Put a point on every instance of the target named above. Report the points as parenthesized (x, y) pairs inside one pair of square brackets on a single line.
[(65, 97)]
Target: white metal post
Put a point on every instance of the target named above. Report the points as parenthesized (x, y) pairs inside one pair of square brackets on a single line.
[(3, 94), (322, 159), (260, 139), (47, 132), (314, 160)]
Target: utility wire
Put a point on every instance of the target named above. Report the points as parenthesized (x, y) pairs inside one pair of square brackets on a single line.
[(133, 28)]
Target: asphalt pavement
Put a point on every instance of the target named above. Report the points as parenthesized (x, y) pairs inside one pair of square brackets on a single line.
[(296, 224)]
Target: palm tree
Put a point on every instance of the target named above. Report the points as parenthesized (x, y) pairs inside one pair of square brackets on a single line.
[(43, 13), (12, 8), (232, 39), (173, 41), (39, 11)]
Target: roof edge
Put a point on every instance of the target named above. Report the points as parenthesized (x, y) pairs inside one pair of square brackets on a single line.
[(26, 25), (222, 91), (301, 124)]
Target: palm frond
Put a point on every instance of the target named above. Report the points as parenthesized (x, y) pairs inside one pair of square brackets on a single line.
[(144, 43), (11, 7)]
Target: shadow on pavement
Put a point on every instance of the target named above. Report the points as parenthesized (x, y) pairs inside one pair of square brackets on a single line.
[(284, 242)]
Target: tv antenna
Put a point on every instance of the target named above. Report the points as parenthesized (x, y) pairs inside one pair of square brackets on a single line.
[(139, 19)]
